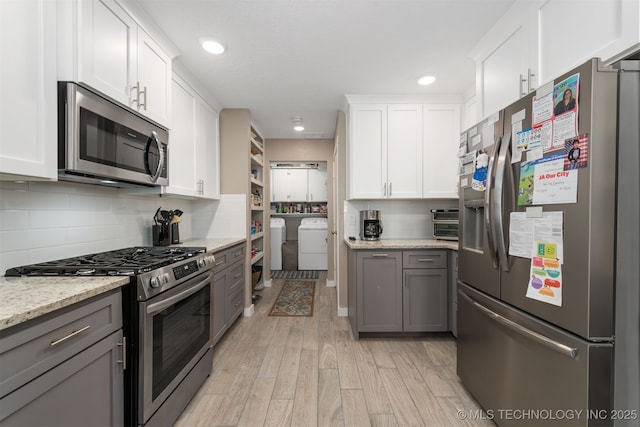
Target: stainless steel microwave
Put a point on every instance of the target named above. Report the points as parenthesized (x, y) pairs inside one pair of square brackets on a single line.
[(102, 142)]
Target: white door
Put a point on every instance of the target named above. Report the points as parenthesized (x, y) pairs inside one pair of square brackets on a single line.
[(182, 160), (108, 44), (28, 126), (404, 151), (154, 78), (367, 165), (317, 183), (440, 158)]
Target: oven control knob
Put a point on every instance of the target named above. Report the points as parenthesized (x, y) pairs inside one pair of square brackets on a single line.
[(155, 282)]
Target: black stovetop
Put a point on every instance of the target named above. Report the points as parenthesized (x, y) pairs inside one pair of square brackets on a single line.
[(121, 262)]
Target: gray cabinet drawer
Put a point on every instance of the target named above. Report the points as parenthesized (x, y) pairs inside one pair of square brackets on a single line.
[(222, 260), (236, 253), (424, 259), (31, 350), (235, 305), (236, 277)]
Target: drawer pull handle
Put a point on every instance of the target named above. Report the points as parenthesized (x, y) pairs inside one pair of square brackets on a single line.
[(380, 255), (237, 275), (71, 335), (219, 262), (237, 253), (123, 344), (425, 259)]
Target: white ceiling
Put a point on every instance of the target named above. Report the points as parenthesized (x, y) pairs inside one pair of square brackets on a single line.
[(288, 58)]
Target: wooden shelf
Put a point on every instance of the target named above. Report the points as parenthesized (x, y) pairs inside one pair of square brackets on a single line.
[(257, 236), (258, 256)]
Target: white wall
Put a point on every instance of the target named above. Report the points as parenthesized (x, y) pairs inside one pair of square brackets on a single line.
[(42, 221), (401, 219)]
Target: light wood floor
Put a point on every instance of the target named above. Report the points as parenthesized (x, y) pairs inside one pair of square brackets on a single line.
[(309, 371)]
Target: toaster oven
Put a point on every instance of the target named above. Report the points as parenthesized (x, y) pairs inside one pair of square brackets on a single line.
[(445, 224)]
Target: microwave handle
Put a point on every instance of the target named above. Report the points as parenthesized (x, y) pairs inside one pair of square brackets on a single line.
[(154, 138)]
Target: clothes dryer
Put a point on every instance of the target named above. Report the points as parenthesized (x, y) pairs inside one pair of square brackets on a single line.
[(312, 244)]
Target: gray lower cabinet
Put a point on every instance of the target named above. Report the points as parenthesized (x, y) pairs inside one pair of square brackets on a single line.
[(398, 291), (228, 289), (65, 369)]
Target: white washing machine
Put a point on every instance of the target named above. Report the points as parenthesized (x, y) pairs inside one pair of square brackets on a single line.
[(312, 244), (278, 237)]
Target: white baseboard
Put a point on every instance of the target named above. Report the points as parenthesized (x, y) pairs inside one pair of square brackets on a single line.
[(267, 283), (331, 283), (248, 311), (343, 311)]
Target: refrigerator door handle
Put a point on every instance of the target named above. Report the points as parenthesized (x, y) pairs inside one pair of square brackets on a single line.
[(570, 352), (497, 208), (488, 223)]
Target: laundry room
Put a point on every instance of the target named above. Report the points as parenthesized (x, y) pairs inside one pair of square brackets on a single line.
[(299, 186)]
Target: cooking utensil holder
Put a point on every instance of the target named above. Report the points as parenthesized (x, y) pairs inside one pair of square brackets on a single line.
[(161, 235)]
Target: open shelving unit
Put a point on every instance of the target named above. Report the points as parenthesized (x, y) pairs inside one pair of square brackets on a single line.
[(256, 206)]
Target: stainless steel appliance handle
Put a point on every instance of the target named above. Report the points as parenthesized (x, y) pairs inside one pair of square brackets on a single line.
[(544, 340), (123, 344), (488, 223), (498, 207), (154, 138), (166, 303)]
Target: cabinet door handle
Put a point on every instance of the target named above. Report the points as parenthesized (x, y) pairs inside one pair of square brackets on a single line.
[(136, 99), (522, 80), (530, 77), (380, 255), (390, 189), (384, 191), (144, 104), (71, 335), (123, 344)]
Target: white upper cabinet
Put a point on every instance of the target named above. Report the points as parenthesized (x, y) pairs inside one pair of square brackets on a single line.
[(114, 56), (536, 41), (441, 133), (288, 185), (317, 185), (571, 33), (194, 169), (404, 151), (28, 127), (367, 152), (385, 151)]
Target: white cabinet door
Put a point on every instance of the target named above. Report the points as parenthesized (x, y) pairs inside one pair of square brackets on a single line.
[(154, 77), (440, 158), (505, 57), (107, 58), (317, 183), (605, 29), (289, 185), (367, 151), (207, 150), (404, 151), (182, 150), (28, 97)]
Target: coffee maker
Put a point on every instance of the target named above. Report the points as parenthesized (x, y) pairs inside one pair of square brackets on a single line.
[(370, 225)]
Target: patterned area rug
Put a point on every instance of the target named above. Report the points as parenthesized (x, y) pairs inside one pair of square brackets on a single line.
[(299, 274), (295, 299)]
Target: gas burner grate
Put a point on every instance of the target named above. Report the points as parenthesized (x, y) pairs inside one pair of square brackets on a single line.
[(121, 262)]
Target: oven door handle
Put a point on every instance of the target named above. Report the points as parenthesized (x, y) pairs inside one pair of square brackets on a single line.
[(161, 305)]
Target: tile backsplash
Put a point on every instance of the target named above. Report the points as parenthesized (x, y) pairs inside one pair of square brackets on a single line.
[(401, 219), (44, 221)]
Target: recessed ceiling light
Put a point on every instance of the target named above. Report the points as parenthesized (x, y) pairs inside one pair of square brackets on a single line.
[(298, 123), (212, 47), (426, 80), (298, 128)]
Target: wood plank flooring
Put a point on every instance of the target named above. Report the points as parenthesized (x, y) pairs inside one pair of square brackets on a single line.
[(309, 371)]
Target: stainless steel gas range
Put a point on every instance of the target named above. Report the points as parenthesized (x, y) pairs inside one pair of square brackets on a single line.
[(167, 319)]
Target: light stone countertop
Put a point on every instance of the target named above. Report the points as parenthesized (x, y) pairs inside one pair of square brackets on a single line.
[(402, 244), (214, 244), (25, 298)]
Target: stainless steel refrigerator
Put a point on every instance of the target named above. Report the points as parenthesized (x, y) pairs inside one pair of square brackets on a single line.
[(573, 360)]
